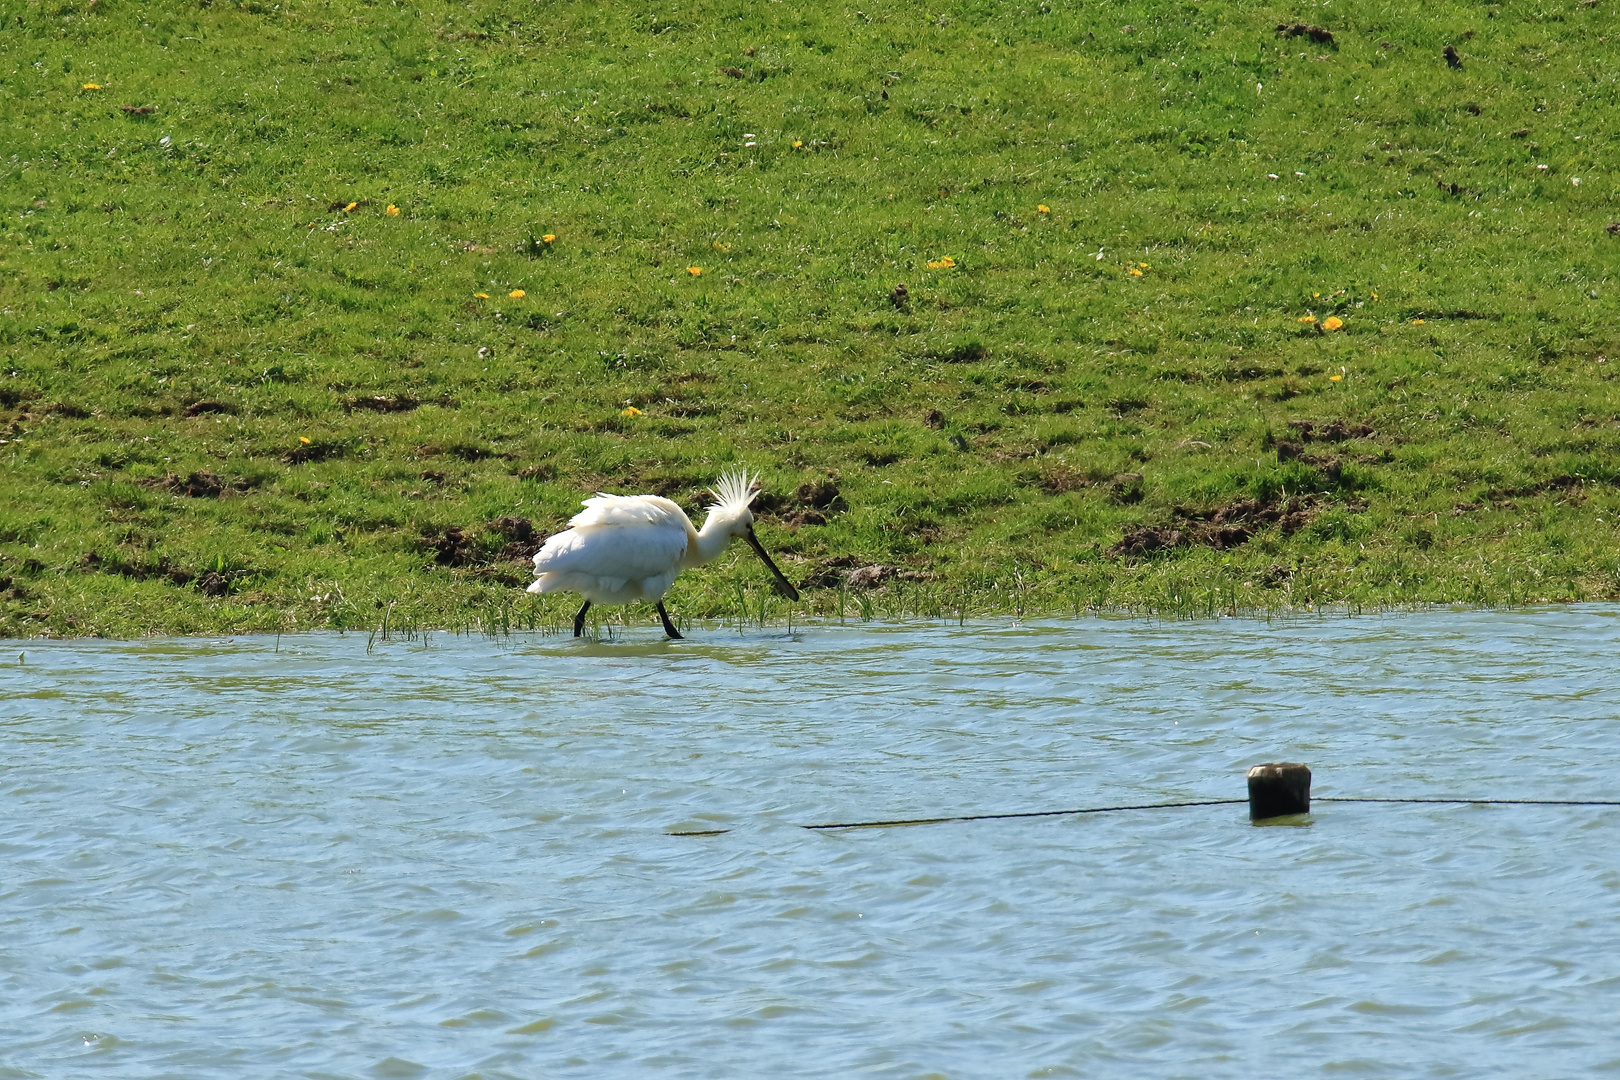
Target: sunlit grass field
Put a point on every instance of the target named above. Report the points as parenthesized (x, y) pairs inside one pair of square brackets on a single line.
[(1036, 307)]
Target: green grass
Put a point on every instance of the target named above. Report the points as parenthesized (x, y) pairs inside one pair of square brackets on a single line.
[(986, 431)]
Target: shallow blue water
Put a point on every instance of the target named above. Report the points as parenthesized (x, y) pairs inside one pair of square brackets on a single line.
[(449, 859)]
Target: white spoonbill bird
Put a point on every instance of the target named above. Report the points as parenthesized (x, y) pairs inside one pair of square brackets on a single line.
[(623, 548)]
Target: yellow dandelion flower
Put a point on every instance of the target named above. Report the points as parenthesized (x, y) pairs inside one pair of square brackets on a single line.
[(1334, 378), (1417, 322), (1133, 271), (92, 86), (304, 439), (351, 206), (549, 237), (1144, 266), (944, 262), (797, 143), (1332, 322), (480, 296), (1043, 209), (517, 294), (392, 211), (630, 410), (1307, 318), (695, 271), (1375, 296), (1314, 295)]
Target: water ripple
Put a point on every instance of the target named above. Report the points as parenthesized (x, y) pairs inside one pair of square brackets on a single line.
[(445, 858)]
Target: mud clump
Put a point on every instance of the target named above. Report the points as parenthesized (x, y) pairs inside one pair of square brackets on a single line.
[(314, 451), (1058, 478), (451, 545), (1237, 522), (876, 576), (522, 541), (1223, 528), (812, 504), (1332, 468), (868, 577), (827, 573), (201, 484), (163, 568), (1146, 540), (854, 573), (1332, 431), (381, 403), (1319, 34), (1126, 488), (456, 546)]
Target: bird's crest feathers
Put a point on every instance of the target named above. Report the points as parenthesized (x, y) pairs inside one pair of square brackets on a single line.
[(733, 492)]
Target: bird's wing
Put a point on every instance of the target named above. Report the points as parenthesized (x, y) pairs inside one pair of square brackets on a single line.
[(629, 551), (628, 510)]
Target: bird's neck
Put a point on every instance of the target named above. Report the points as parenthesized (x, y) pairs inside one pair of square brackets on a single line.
[(711, 540)]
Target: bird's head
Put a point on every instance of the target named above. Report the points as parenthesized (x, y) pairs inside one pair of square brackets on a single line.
[(734, 494), (731, 514)]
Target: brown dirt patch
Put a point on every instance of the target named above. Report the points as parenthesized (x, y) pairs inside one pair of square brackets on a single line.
[(1223, 528), (201, 484), (523, 542), (1319, 34), (812, 504), (1330, 431)]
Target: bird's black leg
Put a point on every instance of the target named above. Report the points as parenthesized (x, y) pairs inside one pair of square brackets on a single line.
[(669, 627), (579, 620)]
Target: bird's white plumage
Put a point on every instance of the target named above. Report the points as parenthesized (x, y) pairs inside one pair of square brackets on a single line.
[(620, 548), (624, 548), (604, 509)]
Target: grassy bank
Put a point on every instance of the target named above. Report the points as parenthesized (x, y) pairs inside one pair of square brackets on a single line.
[(1042, 307)]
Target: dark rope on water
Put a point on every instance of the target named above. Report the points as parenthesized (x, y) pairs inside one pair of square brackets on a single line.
[(1496, 802), (901, 822), (1024, 814)]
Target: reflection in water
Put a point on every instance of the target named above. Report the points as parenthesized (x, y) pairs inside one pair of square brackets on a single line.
[(452, 859)]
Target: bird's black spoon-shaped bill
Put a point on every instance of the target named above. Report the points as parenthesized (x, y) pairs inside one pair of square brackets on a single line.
[(783, 585)]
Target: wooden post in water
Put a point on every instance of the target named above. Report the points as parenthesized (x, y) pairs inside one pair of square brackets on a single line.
[(1278, 789)]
